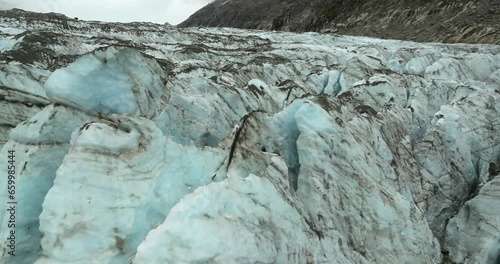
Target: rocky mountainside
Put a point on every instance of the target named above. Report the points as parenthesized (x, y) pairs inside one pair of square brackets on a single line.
[(465, 21), (144, 143)]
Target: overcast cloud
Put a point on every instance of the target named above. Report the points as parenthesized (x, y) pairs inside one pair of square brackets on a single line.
[(158, 11)]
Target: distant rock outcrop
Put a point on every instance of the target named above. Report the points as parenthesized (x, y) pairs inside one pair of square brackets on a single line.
[(466, 21)]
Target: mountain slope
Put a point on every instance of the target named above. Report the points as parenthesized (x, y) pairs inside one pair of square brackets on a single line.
[(468, 21)]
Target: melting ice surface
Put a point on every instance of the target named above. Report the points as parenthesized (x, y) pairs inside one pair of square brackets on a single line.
[(232, 146)]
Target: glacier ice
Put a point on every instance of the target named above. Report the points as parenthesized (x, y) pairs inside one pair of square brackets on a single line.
[(41, 144), (109, 82), (263, 226), (151, 144)]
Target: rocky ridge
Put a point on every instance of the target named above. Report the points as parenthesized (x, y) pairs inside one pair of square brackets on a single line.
[(463, 21)]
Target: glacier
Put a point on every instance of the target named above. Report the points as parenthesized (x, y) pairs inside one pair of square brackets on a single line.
[(146, 143)]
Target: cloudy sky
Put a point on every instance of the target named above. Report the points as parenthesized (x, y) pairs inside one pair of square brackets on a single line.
[(159, 11)]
